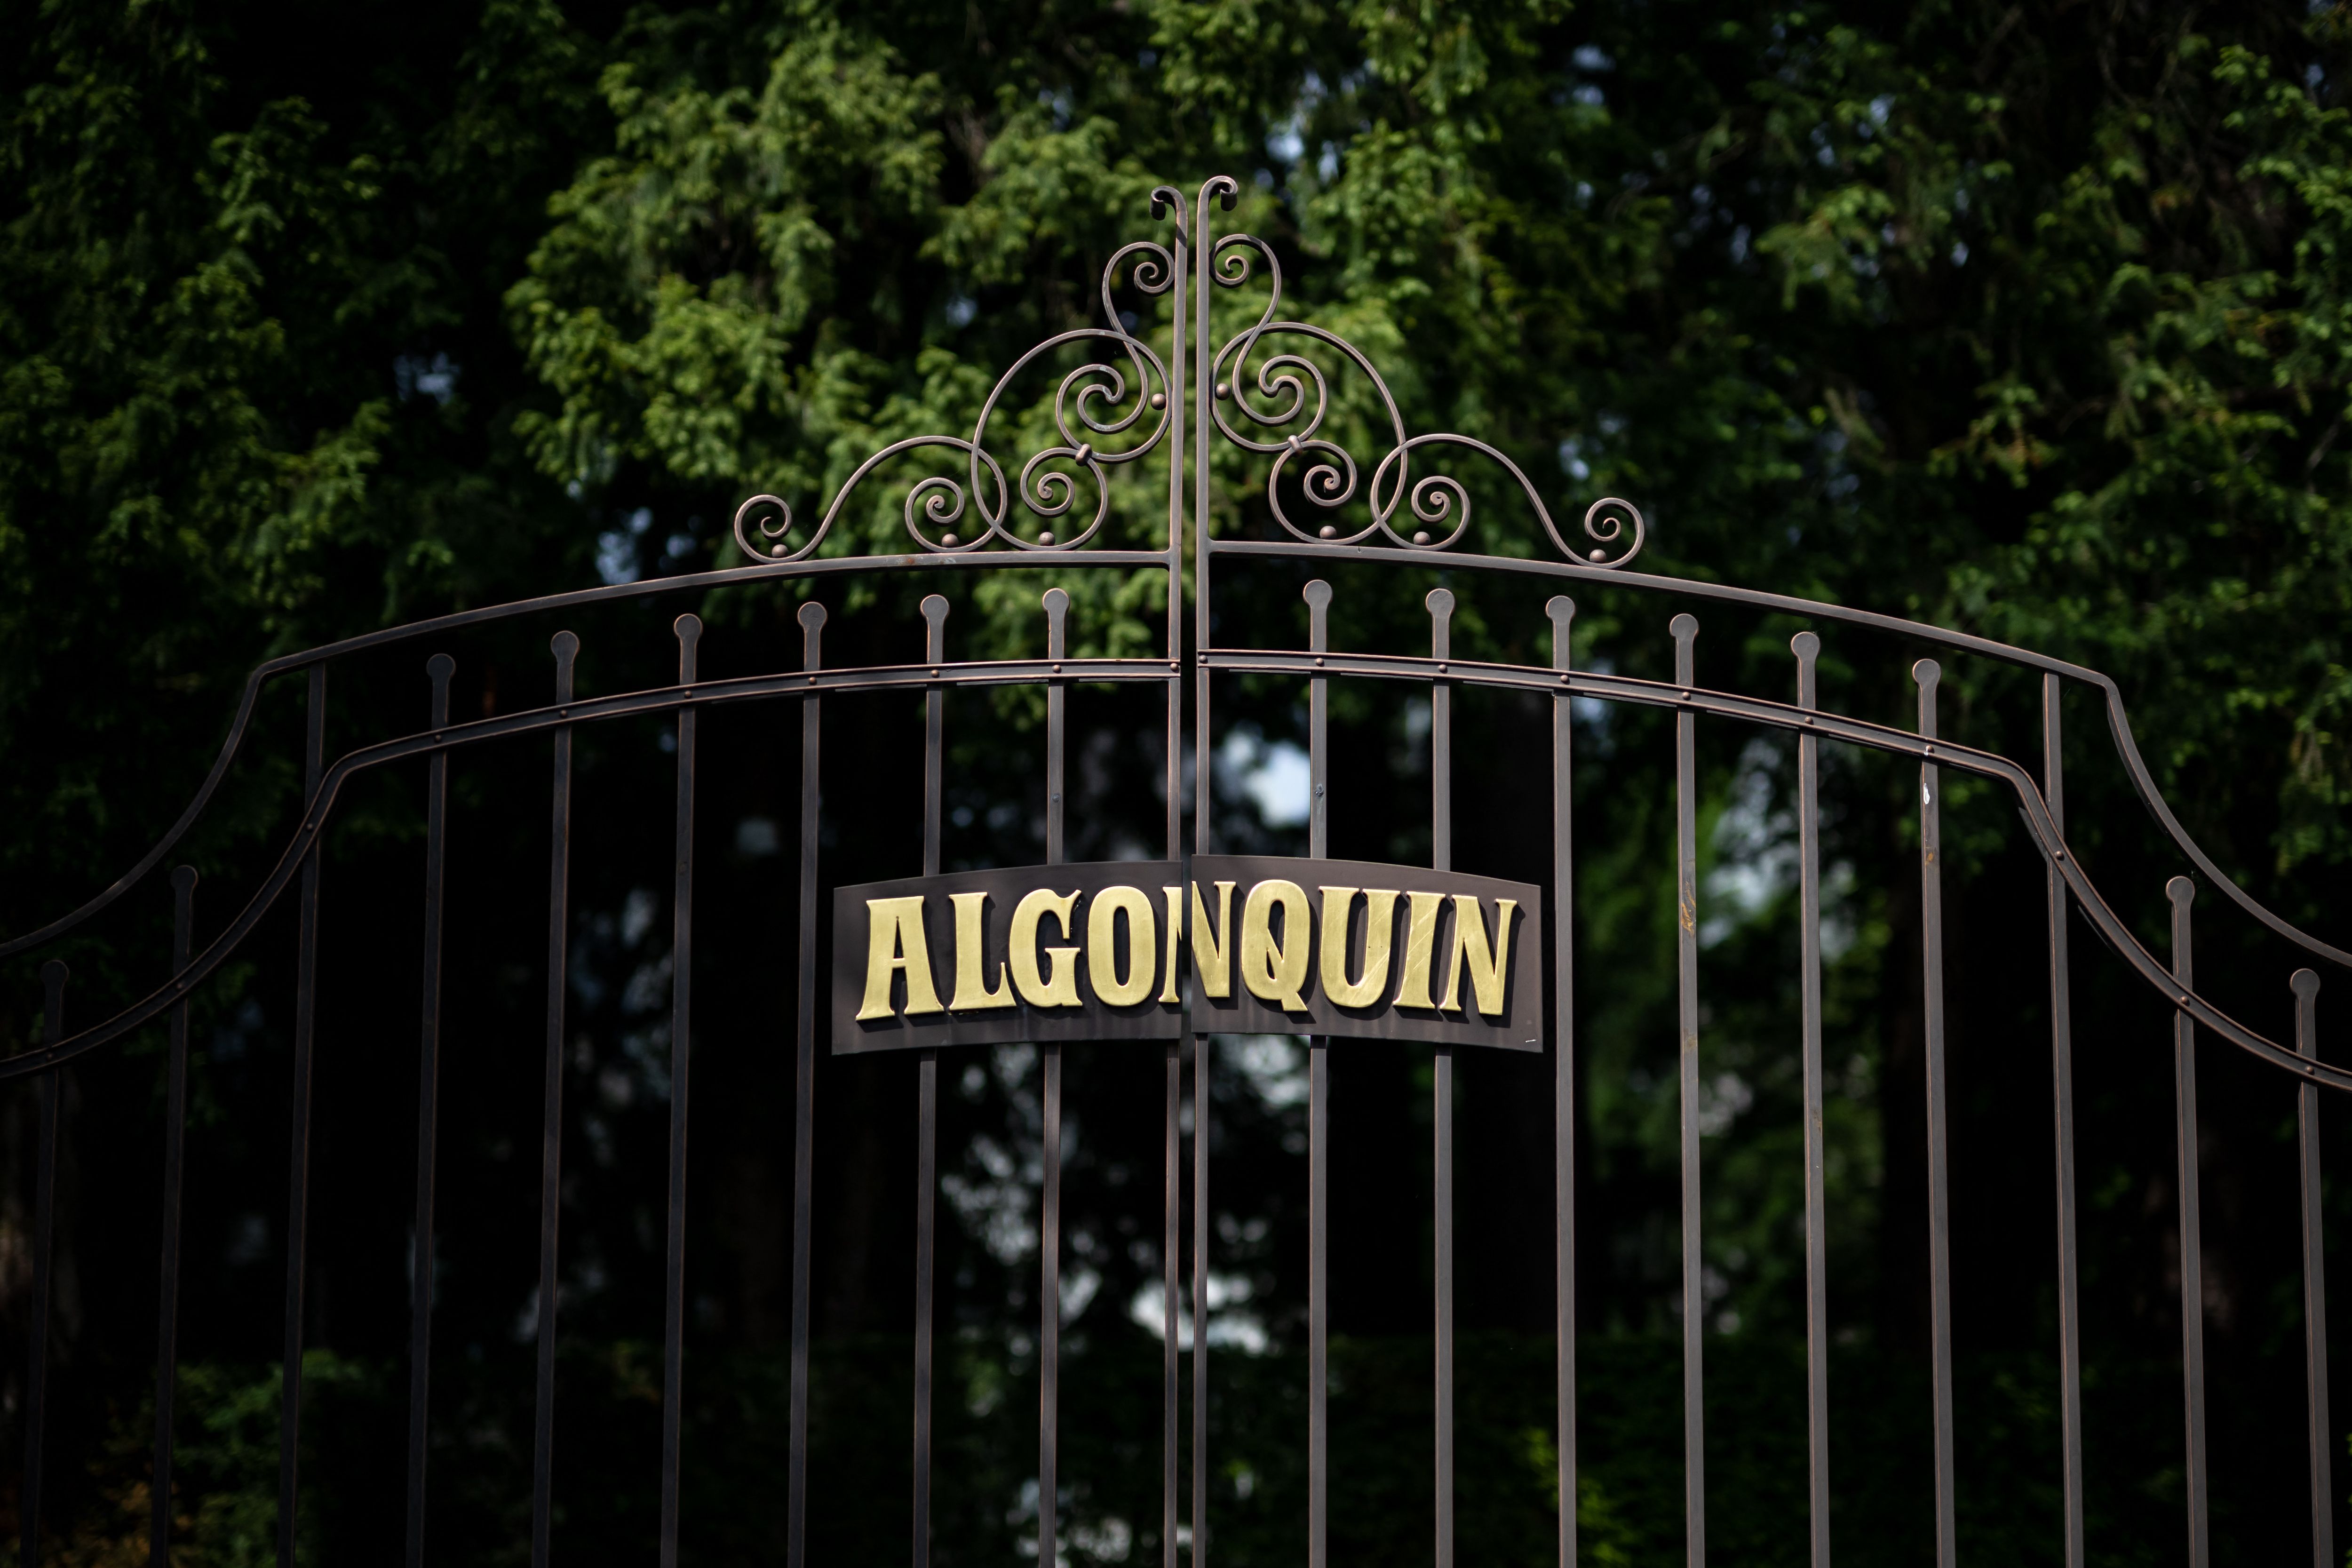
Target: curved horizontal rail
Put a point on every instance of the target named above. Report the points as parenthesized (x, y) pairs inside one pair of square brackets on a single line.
[(1417, 668), (1965, 642), (463, 619), (1856, 731), (1651, 582), (2118, 719), (653, 699), (195, 808)]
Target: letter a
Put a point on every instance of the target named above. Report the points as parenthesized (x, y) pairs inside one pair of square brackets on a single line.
[(894, 944)]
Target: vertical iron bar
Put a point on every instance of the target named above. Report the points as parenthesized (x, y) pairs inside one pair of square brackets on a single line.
[(45, 1201), (1441, 857), (811, 618), (306, 997), (1049, 1221), (1685, 630), (935, 652), (167, 1312), (1172, 1241), (681, 1014), (1562, 613), (1201, 838), (1049, 1314), (1201, 630), (1178, 251), (2180, 890), (1440, 604), (1318, 595), (927, 1087), (438, 669), (2305, 985), (1927, 673), (927, 1117), (1171, 1258), (1807, 648), (1201, 771), (1220, 188), (566, 648), (1201, 1052), (2062, 1057), (1058, 697)]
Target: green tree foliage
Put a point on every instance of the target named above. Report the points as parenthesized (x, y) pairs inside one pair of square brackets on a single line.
[(2057, 364), (2029, 319)]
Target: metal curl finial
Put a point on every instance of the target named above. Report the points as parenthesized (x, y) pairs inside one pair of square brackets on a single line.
[(1297, 400), (1604, 529), (949, 513), (1278, 404), (773, 546)]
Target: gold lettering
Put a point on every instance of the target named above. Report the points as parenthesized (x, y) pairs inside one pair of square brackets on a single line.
[(1274, 971), (1102, 955), (1211, 948), (1059, 986), (1420, 939), (1380, 928), (1470, 953), (972, 992), (895, 944), (1168, 992)]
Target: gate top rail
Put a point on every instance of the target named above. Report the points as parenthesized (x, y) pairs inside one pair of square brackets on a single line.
[(2111, 695), (1086, 407), (915, 678)]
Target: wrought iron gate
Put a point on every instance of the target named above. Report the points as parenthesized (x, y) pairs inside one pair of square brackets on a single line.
[(1267, 393)]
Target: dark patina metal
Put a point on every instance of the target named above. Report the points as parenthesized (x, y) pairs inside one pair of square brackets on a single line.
[(1264, 391)]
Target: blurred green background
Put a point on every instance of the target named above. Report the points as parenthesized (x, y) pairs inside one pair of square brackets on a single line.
[(2033, 320)]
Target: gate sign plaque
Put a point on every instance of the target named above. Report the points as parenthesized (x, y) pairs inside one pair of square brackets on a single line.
[(1127, 950)]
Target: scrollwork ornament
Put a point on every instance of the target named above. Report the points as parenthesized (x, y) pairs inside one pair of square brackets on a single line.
[(772, 543), (943, 504), (1294, 396), (1434, 499), (1049, 493), (1119, 407), (1093, 401), (1328, 483), (1606, 529), (1437, 498)]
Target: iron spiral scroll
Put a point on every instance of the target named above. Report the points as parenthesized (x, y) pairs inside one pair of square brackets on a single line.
[(1095, 401), (1332, 480), (1092, 392)]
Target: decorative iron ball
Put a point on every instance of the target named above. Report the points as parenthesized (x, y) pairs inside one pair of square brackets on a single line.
[(1420, 538), (949, 539), (1327, 532), (1158, 400), (1223, 391), (778, 551), (1046, 537), (1598, 555)]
